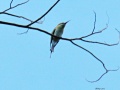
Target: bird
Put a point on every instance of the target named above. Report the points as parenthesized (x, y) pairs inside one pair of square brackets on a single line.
[(58, 31)]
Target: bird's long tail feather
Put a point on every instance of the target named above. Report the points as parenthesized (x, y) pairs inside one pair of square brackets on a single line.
[(51, 50)]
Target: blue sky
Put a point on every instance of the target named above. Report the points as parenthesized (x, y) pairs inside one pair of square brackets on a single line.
[(24, 59)]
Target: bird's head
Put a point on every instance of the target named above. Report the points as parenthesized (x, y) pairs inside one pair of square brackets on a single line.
[(63, 24)]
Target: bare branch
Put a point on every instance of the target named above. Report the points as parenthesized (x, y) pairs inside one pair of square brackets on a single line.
[(93, 31), (11, 3), (11, 7), (24, 26), (100, 31), (118, 32), (44, 14), (5, 12), (23, 32), (71, 40), (106, 44), (33, 28), (102, 75), (94, 22), (20, 17), (103, 43), (106, 70), (90, 53)]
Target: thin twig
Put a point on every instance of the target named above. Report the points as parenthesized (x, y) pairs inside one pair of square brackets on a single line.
[(24, 26), (106, 44), (94, 22), (23, 32), (11, 7), (100, 31), (93, 31), (102, 75), (44, 14), (21, 17), (70, 40), (106, 70), (11, 3), (38, 29), (90, 53)]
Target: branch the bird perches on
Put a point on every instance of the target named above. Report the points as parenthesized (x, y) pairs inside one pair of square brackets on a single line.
[(71, 40)]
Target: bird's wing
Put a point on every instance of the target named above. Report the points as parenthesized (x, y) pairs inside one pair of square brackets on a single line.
[(52, 36)]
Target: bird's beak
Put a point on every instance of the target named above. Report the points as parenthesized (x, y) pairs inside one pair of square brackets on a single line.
[(67, 22)]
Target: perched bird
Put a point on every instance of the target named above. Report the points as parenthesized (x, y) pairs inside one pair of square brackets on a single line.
[(58, 31)]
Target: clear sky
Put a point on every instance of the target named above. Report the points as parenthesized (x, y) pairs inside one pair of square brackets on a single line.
[(24, 59)]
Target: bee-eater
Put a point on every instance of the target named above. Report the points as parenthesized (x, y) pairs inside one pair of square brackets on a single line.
[(58, 31)]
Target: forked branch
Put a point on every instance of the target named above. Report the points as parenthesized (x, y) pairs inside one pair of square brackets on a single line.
[(11, 7), (106, 70), (67, 39), (44, 14), (18, 16)]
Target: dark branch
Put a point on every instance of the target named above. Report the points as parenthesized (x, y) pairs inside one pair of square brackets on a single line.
[(11, 7), (5, 11), (90, 53), (93, 33), (106, 70), (106, 44), (102, 75), (94, 22), (20, 17), (33, 28), (11, 3), (71, 40), (44, 14), (23, 32)]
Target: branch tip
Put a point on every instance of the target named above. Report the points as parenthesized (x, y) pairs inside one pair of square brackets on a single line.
[(44, 13)]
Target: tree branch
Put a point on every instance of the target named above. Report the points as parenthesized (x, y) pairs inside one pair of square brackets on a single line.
[(70, 40), (103, 75), (44, 14), (11, 3), (106, 44), (93, 31), (100, 31), (44, 31), (106, 70), (20, 17), (94, 22), (11, 7)]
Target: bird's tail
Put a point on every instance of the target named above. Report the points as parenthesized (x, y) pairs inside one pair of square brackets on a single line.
[(51, 50)]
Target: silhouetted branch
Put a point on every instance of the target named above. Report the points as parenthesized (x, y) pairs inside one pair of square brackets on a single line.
[(67, 39), (23, 32), (102, 75), (11, 7), (95, 32), (40, 22), (71, 40), (11, 3), (101, 42), (94, 22), (44, 14), (106, 70)]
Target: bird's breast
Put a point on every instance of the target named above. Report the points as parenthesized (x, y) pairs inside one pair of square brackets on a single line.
[(58, 32)]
